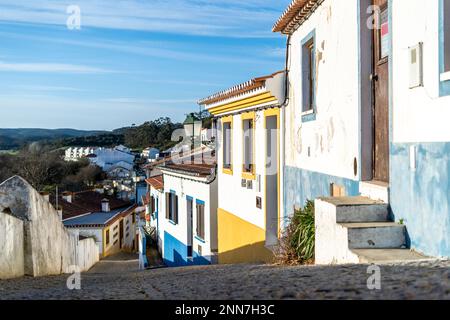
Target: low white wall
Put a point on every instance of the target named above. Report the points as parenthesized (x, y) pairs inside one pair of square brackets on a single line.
[(11, 247), (331, 239), (88, 254), (48, 247)]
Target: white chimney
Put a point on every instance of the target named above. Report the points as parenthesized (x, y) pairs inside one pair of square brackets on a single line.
[(67, 196), (105, 205), (100, 190), (46, 196)]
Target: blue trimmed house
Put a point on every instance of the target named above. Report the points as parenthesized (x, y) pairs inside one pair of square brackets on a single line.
[(186, 218), (366, 125)]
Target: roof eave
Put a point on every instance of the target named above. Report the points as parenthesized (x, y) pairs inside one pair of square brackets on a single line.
[(294, 16)]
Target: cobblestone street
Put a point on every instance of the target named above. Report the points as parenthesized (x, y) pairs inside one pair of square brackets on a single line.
[(118, 279)]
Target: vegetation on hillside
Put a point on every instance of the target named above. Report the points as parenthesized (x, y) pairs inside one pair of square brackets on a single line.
[(19, 138), (104, 140), (297, 243), (157, 134), (44, 169)]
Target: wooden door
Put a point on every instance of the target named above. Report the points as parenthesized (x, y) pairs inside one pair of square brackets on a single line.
[(380, 79), (190, 206), (120, 234)]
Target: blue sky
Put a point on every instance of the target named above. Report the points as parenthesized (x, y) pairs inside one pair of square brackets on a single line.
[(131, 61)]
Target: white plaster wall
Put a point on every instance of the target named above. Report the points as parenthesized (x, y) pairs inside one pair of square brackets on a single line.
[(88, 254), (198, 191), (11, 247), (49, 248), (96, 233), (333, 138), (419, 114)]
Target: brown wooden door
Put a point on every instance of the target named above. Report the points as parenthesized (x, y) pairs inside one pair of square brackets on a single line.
[(380, 78), (120, 234)]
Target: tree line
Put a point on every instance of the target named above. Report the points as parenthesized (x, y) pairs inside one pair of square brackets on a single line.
[(45, 169)]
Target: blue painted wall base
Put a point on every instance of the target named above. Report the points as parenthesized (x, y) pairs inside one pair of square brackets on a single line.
[(301, 185), (175, 253), (422, 196)]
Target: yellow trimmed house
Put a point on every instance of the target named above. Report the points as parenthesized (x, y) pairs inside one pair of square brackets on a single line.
[(247, 119)]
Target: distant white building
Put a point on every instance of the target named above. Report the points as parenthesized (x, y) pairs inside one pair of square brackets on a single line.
[(75, 153), (108, 158), (121, 170), (150, 153), (206, 135)]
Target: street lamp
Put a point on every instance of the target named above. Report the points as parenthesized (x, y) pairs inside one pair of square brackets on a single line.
[(192, 127)]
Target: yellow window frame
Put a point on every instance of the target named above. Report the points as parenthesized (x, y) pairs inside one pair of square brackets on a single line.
[(229, 120), (249, 175)]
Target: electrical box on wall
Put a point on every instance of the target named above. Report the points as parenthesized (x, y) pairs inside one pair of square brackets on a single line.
[(416, 66)]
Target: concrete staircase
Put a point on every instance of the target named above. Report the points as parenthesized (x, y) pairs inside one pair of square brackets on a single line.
[(358, 230)]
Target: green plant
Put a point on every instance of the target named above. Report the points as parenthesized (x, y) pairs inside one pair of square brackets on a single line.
[(297, 243)]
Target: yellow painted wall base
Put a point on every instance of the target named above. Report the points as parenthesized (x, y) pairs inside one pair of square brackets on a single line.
[(240, 241)]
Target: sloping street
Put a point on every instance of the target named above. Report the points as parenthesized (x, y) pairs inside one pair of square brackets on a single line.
[(118, 278)]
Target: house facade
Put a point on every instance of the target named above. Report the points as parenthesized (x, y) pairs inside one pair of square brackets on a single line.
[(110, 221), (154, 205), (368, 100), (247, 118), (74, 153), (186, 218), (107, 158)]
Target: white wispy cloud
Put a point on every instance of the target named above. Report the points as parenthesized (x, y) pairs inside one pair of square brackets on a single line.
[(228, 18), (50, 68)]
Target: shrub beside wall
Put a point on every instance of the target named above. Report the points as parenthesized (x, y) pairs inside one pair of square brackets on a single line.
[(297, 242)]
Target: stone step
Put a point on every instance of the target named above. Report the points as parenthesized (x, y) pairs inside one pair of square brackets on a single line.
[(359, 209), (375, 235), (384, 256), (375, 190)]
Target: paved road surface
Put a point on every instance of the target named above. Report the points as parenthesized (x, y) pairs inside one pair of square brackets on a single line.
[(117, 278)]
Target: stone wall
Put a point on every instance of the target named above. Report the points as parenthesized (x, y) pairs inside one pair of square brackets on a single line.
[(48, 248), (11, 246)]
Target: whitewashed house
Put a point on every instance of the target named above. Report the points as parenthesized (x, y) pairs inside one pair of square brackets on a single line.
[(186, 219), (247, 118), (107, 158), (154, 204), (150, 154), (76, 153), (367, 112)]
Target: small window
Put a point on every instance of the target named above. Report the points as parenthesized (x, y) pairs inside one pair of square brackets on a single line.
[(226, 134), (308, 66), (248, 136), (133, 217), (172, 207), (152, 204), (107, 237), (200, 220), (446, 35)]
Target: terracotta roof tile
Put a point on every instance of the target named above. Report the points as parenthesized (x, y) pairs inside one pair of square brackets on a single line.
[(86, 202), (156, 182), (238, 89), (294, 15)]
